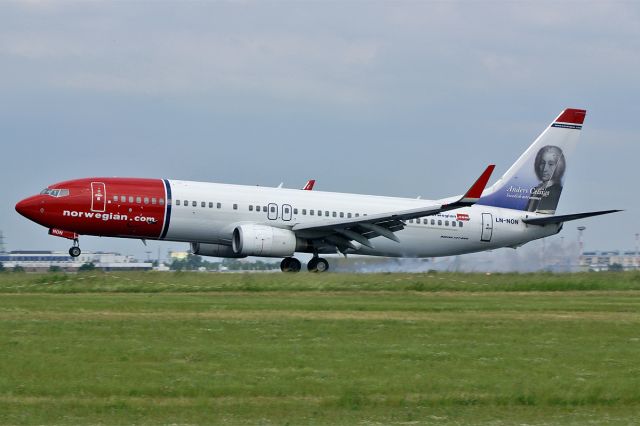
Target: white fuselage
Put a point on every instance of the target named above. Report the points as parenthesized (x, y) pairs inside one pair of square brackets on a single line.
[(212, 211)]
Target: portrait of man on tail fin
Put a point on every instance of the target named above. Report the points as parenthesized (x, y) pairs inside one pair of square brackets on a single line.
[(549, 166)]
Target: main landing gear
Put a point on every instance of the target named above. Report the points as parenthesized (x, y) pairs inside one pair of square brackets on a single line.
[(290, 264), (316, 264), (75, 250)]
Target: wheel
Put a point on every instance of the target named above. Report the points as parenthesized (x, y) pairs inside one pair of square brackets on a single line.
[(284, 265), (312, 266), (290, 264), (317, 264), (74, 251), (295, 265), (322, 265)]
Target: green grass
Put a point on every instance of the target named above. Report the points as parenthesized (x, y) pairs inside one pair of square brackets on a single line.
[(145, 348)]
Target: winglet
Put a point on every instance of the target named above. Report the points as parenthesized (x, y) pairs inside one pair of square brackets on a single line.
[(475, 192), (309, 185)]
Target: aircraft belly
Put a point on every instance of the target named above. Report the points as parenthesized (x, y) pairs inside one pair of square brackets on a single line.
[(192, 225), (427, 241)]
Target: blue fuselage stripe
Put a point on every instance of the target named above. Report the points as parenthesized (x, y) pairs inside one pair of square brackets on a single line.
[(167, 217)]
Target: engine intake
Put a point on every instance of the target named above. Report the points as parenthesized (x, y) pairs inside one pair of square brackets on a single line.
[(215, 250), (263, 240)]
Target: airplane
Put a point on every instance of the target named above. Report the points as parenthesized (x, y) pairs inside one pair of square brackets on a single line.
[(236, 221)]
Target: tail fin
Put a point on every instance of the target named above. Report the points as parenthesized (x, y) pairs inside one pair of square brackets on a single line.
[(534, 182)]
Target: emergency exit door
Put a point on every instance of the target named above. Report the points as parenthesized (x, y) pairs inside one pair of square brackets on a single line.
[(487, 227), (98, 197)]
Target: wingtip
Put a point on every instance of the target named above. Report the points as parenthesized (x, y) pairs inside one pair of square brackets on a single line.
[(475, 192)]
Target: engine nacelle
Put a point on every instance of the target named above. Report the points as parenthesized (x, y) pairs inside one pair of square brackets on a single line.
[(215, 250), (263, 240)]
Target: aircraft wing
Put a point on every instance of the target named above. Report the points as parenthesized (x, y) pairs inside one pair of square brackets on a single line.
[(564, 218), (341, 232)]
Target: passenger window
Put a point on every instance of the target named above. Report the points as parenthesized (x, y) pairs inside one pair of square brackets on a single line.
[(161, 200), (250, 207), (295, 210), (357, 214), (453, 223), (326, 213), (286, 210), (146, 200), (312, 212), (219, 205), (257, 208), (335, 214), (460, 224), (115, 198), (439, 222), (304, 212), (410, 220), (194, 203), (154, 201), (446, 223), (139, 200), (210, 204), (130, 199), (264, 208), (341, 214), (186, 203), (177, 202), (273, 209), (433, 221), (348, 214), (235, 207), (203, 204)]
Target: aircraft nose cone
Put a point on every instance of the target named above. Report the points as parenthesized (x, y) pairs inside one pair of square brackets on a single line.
[(29, 207)]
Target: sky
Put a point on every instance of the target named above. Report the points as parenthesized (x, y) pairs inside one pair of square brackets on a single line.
[(391, 98)]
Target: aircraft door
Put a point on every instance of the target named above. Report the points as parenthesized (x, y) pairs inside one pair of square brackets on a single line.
[(286, 212), (487, 227), (98, 197), (272, 211)]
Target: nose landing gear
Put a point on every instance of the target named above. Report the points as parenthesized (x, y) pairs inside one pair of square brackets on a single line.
[(75, 251)]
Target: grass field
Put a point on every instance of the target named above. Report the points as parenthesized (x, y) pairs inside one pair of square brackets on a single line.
[(146, 348)]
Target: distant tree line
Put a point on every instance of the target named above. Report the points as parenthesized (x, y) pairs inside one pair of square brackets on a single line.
[(194, 262)]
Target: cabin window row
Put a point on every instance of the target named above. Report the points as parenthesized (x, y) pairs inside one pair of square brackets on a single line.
[(203, 204), (138, 200), (439, 222), (311, 212)]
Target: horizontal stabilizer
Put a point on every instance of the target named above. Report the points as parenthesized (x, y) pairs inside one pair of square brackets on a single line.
[(564, 218)]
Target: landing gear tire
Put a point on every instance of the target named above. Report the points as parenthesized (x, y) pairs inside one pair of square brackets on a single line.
[(74, 251), (290, 264), (317, 264)]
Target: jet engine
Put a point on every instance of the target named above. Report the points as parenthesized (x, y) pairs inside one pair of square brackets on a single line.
[(262, 240), (215, 250)]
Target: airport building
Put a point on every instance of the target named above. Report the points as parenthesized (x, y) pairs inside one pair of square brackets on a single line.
[(610, 260), (42, 261)]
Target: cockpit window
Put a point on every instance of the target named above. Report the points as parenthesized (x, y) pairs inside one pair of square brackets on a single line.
[(55, 192)]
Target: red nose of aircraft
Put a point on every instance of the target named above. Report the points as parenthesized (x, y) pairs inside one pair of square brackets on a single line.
[(31, 207)]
